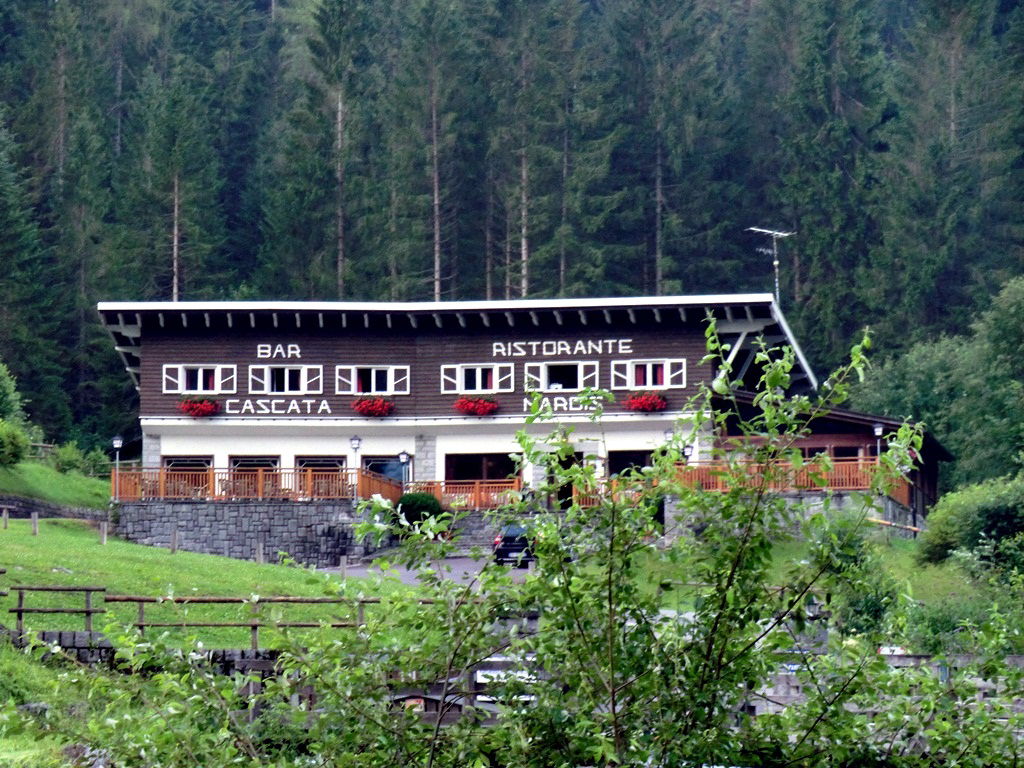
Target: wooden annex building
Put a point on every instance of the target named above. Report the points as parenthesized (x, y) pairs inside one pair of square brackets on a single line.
[(300, 401)]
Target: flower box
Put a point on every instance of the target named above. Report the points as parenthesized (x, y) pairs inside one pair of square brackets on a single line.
[(198, 407), (645, 402), (475, 406), (373, 406)]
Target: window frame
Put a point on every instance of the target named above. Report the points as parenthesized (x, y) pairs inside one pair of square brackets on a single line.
[(399, 379), (312, 378), (623, 373), (453, 378), (588, 373), (226, 377)]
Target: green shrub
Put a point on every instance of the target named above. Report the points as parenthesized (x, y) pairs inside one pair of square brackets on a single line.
[(961, 520), (945, 626), (68, 458), (96, 463), (13, 444), (416, 507)]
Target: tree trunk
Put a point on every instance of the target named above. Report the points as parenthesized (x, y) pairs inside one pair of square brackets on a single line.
[(435, 179), (489, 242), (562, 269), (659, 205), (119, 89), (339, 174), (175, 239), (393, 257), (508, 255), (524, 228), (61, 109)]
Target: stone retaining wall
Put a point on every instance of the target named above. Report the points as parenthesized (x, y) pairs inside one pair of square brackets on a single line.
[(312, 533)]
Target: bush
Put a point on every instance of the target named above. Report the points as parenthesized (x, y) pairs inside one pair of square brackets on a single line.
[(96, 463), (68, 458), (963, 519), (13, 444), (416, 507)]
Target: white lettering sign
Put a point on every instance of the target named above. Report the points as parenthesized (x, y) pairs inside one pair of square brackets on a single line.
[(276, 407), (558, 404), (562, 347), (270, 351)]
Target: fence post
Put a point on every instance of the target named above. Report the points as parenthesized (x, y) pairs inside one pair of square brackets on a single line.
[(142, 619), (103, 532), (88, 611), (360, 613), (254, 631), (343, 562), (35, 523), (260, 556), (19, 612), (6, 515), (174, 537)]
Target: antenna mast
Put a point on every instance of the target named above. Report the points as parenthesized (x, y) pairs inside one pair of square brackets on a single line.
[(774, 235)]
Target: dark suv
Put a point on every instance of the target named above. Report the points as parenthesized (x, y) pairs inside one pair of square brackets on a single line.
[(512, 545)]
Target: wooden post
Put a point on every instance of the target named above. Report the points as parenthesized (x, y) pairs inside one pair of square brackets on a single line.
[(174, 538), (360, 613), (259, 483), (103, 532), (88, 611), (344, 567), (35, 523), (6, 516), (21, 616), (254, 630), (260, 557), (142, 619)]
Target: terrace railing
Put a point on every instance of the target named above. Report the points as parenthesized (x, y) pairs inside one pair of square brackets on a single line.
[(845, 475), (251, 484), (469, 494)]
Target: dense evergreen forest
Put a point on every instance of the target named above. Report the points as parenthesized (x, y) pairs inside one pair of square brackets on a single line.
[(360, 149)]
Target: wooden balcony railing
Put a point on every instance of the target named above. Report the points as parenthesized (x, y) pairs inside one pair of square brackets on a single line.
[(469, 494), (249, 484), (845, 475)]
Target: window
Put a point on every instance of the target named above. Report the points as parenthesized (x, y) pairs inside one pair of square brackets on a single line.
[(322, 463), (648, 374), (371, 380), (286, 379), (205, 379), (478, 378), (187, 463), (560, 377)]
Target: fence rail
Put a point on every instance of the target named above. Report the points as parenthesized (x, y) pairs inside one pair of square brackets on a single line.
[(248, 484), (88, 611), (470, 494)]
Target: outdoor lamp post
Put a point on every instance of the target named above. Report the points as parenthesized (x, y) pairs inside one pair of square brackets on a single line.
[(355, 441), (687, 452), (117, 442), (877, 429), (403, 459)]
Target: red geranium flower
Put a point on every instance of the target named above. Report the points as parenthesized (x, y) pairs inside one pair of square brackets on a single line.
[(475, 406), (645, 402), (198, 407), (373, 406)]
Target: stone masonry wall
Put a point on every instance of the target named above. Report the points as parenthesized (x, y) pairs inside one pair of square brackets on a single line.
[(317, 534)]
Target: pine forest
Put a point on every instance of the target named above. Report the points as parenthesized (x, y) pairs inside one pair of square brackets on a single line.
[(471, 149)]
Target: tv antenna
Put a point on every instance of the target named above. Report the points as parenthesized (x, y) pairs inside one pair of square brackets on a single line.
[(775, 235)]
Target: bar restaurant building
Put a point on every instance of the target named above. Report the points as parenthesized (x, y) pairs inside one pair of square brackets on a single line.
[(313, 400)]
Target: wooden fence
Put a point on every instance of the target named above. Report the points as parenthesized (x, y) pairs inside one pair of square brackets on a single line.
[(470, 494), (248, 484)]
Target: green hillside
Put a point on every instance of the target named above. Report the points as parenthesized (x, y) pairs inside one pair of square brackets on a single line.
[(39, 481)]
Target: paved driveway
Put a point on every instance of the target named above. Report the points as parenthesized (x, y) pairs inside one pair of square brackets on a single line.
[(461, 568)]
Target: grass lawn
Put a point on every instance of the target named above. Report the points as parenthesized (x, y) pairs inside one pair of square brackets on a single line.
[(68, 553), (39, 481)]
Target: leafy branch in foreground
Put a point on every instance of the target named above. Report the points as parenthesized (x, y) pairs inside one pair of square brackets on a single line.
[(631, 641)]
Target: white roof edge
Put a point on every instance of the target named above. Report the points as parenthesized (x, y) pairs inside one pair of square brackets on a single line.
[(781, 320), (436, 306)]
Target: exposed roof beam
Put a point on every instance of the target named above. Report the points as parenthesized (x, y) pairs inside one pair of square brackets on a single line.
[(607, 316), (366, 320), (252, 319), (184, 320), (437, 319), (558, 317), (344, 320), (657, 314), (206, 317), (486, 319), (743, 326), (160, 317), (412, 319), (583, 317), (274, 315), (533, 316), (728, 313), (736, 348), (387, 318), (231, 320), (462, 319), (320, 317), (632, 315), (511, 322), (750, 312), (682, 314), (298, 320)]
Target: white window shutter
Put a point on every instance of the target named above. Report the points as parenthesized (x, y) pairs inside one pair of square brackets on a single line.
[(589, 375), (676, 373), (505, 378), (172, 379), (620, 374), (533, 376), (400, 379), (450, 378), (227, 378), (344, 380), (259, 379), (314, 376)]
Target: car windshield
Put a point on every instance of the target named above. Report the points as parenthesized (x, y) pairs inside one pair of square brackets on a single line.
[(513, 530)]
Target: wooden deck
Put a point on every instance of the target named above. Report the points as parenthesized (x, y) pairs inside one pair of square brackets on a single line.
[(470, 494), (251, 484)]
